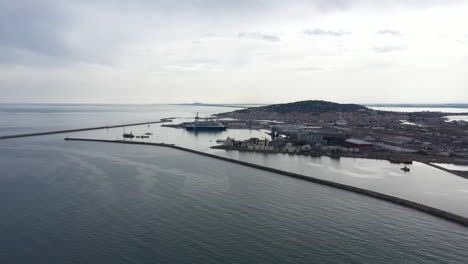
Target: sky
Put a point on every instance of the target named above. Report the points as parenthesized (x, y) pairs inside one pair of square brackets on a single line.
[(233, 51)]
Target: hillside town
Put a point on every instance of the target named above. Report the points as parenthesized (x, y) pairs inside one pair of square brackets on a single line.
[(365, 133), (320, 128)]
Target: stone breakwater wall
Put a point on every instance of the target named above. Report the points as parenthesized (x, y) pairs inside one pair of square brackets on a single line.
[(447, 170), (397, 200), (75, 130)]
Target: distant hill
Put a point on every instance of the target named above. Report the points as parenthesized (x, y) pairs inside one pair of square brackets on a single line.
[(311, 106), (315, 110)]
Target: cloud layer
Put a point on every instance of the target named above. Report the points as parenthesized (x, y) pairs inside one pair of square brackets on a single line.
[(259, 36), (232, 51), (322, 32)]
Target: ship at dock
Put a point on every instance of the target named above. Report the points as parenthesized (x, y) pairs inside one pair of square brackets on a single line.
[(204, 125)]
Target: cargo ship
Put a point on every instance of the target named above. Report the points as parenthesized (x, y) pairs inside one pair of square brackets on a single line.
[(204, 125)]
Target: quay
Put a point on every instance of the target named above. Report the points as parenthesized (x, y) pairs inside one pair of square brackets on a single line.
[(397, 200), (79, 129)]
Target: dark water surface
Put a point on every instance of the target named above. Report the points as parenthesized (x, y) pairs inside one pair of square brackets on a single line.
[(75, 202), (82, 202)]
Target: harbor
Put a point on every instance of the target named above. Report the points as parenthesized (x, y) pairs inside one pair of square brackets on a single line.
[(237, 132), (417, 206), (159, 187), (369, 173)]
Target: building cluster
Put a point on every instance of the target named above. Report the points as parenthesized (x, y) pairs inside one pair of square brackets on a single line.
[(366, 131), (281, 145), (253, 144), (338, 138), (446, 140), (365, 118)]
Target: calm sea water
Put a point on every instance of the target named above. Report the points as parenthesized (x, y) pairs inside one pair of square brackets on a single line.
[(17, 118), (82, 202), (432, 109), (423, 184), (421, 109)]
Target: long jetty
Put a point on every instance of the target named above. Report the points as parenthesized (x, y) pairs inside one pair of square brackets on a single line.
[(397, 200), (78, 130), (447, 170)]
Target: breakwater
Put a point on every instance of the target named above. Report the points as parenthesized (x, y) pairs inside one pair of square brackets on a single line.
[(447, 170), (79, 129), (397, 200)]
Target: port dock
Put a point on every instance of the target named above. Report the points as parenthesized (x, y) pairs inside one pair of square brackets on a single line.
[(397, 200)]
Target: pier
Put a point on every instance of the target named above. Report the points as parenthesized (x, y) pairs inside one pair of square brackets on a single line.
[(79, 129), (397, 200)]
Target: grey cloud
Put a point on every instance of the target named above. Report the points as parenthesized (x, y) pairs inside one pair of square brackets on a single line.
[(389, 32), (322, 32), (52, 30), (384, 4), (243, 7), (259, 36), (12, 56), (38, 33), (32, 26), (386, 49)]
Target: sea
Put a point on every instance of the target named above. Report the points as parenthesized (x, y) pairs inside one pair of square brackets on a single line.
[(87, 202), (449, 117)]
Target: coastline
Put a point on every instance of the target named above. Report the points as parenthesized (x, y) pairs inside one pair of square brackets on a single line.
[(387, 156), (397, 200), (390, 157)]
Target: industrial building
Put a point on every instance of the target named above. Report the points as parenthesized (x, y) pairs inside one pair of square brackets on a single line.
[(358, 143)]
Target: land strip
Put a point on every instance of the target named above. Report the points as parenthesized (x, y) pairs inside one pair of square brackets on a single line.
[(397, 200)]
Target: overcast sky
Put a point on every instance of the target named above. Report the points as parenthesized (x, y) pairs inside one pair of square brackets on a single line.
[(233, 51)]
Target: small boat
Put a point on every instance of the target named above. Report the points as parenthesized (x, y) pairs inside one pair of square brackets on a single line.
[(144, 136), (128, 135), (406, 169), (148, 133)]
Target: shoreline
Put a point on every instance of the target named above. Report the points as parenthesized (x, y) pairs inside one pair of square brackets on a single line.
[(397, 200), (396, 159), (387, 156)]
